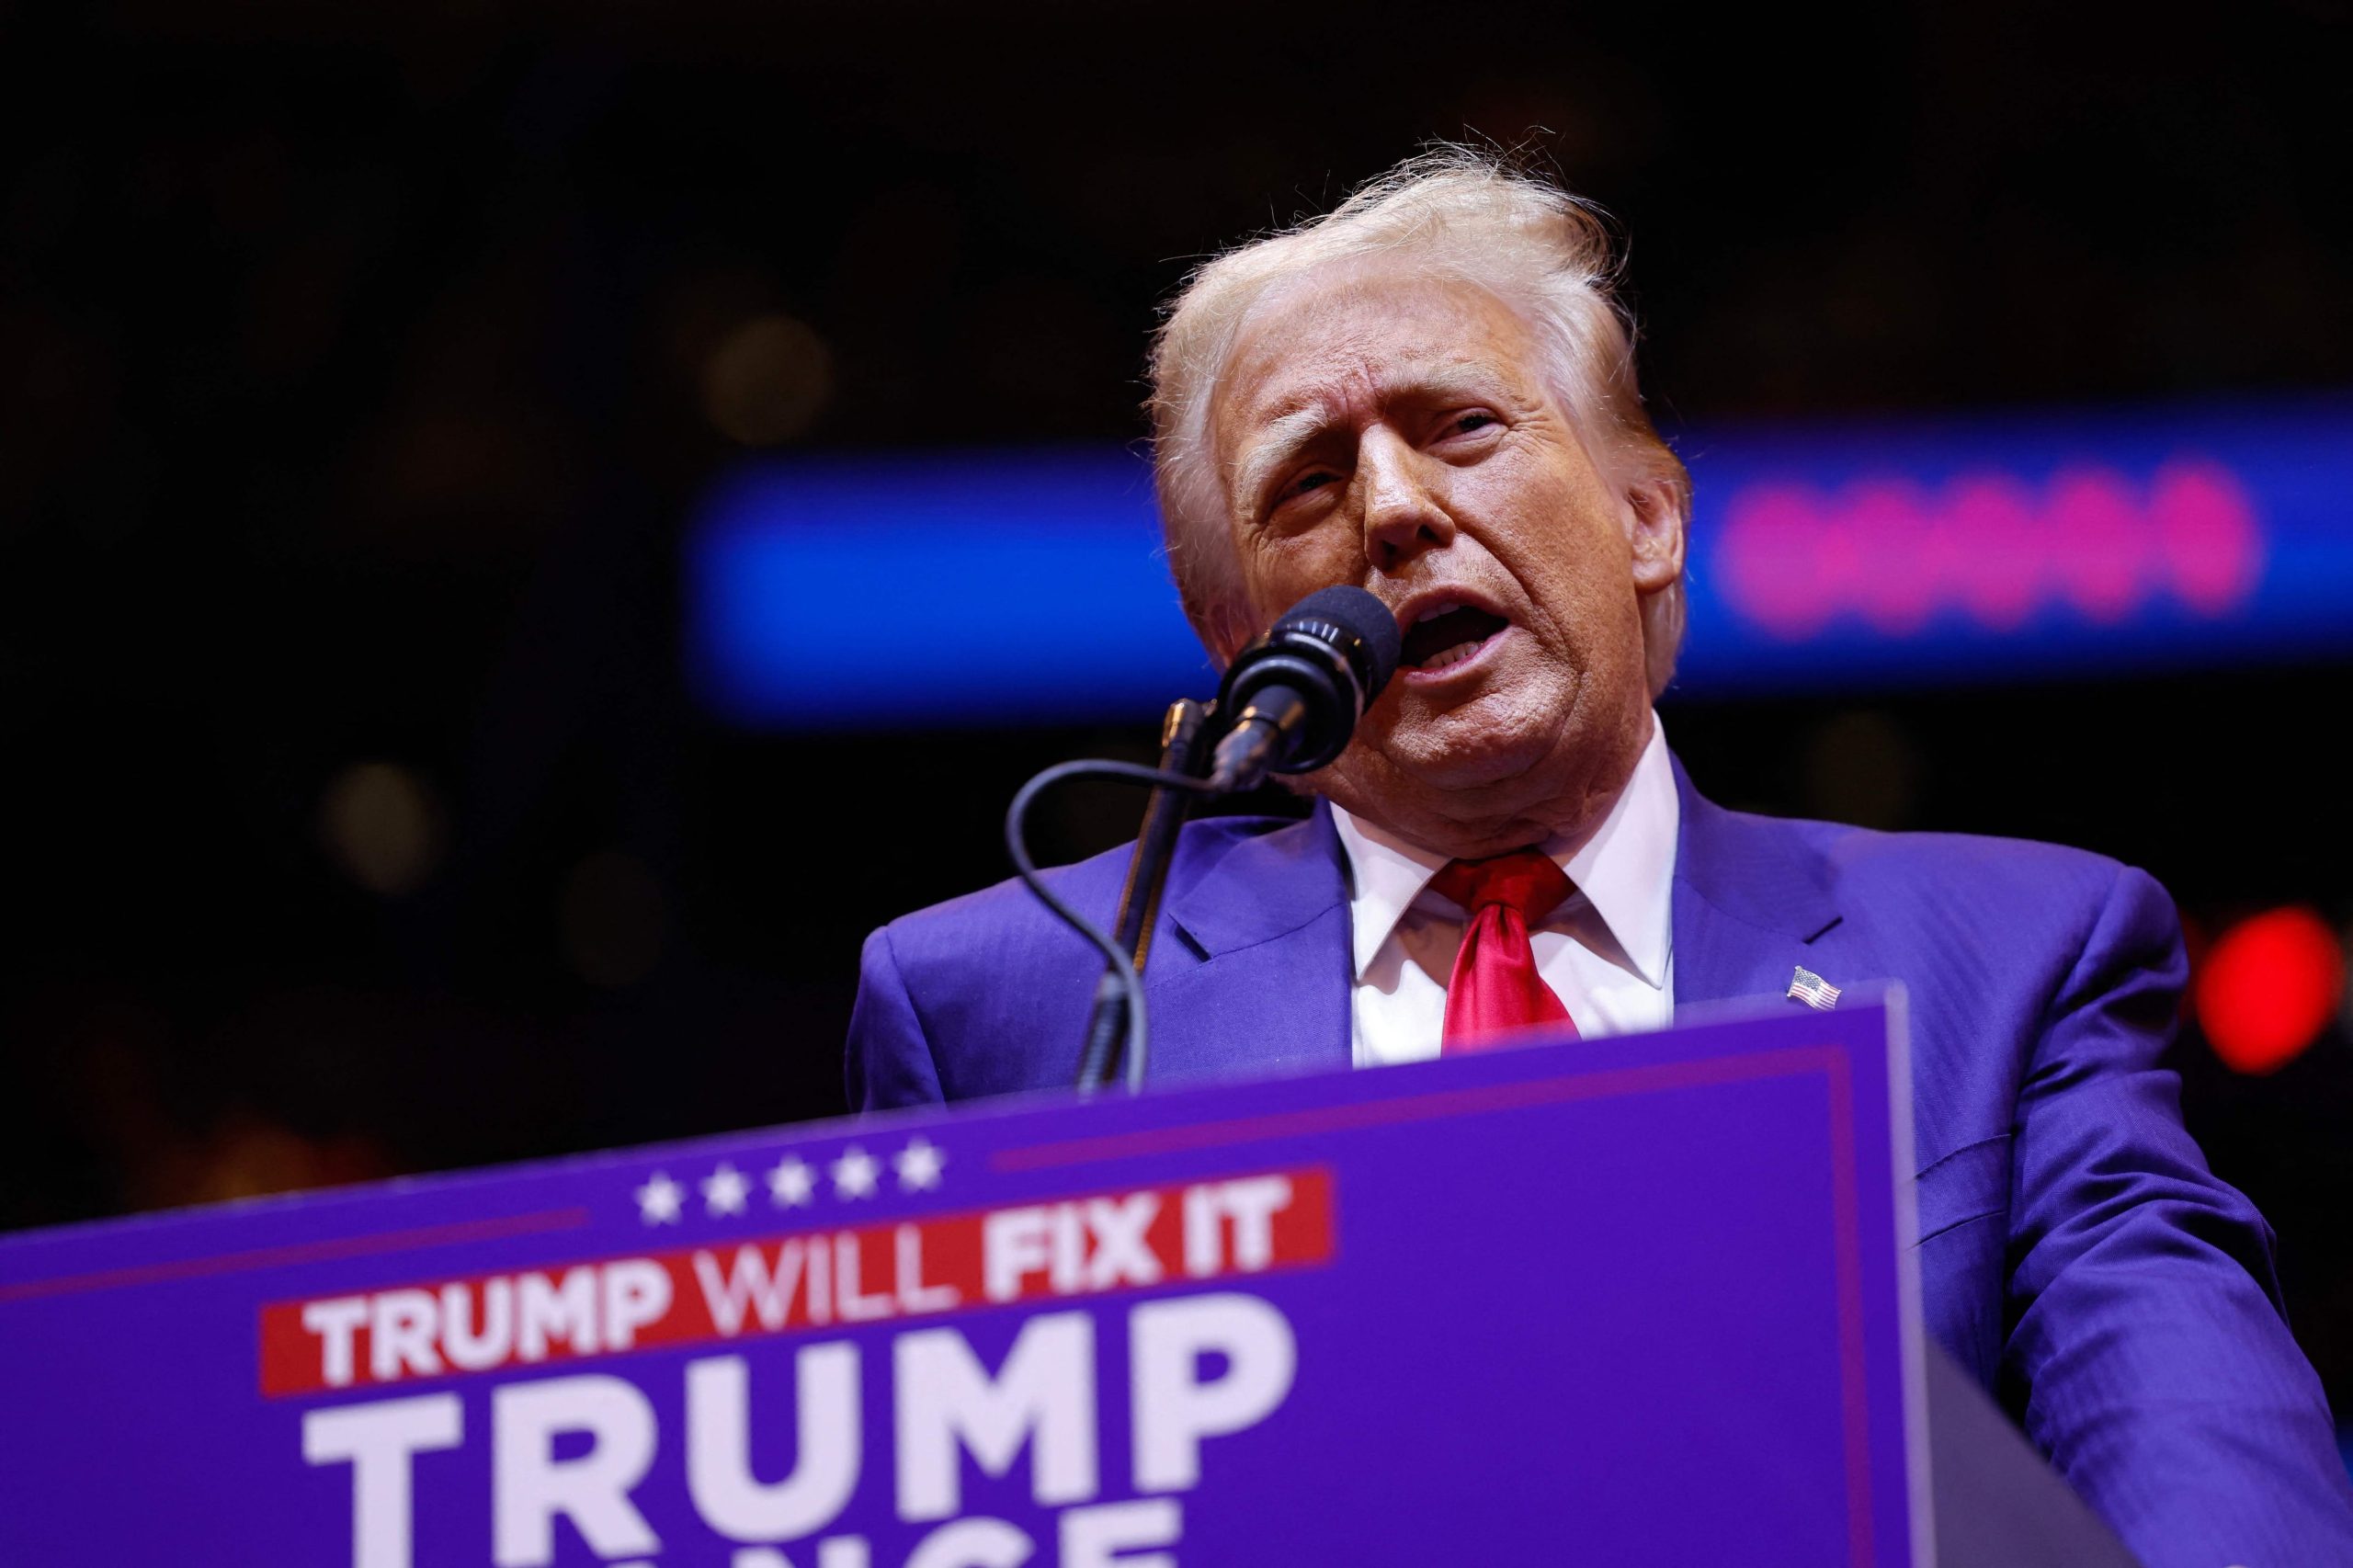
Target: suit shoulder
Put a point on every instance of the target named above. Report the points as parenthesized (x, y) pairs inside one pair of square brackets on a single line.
[(1979, 876), (1989, 865)]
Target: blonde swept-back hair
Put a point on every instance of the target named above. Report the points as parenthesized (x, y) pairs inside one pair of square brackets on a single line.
[(1454, 212)]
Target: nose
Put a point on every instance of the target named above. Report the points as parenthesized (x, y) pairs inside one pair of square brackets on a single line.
[(1402, 519)]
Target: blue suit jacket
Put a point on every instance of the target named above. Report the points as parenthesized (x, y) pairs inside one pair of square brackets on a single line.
[(2075, 1253)]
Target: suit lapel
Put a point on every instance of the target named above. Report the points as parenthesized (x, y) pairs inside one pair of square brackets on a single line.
[(1251, 972), (1257, 977), (1750, 902)]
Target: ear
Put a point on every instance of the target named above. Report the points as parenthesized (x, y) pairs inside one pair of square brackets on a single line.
[(1223, 625), (1654, 514), (1226, 630)]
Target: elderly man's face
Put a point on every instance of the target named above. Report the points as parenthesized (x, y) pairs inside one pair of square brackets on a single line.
[(1394, 431)]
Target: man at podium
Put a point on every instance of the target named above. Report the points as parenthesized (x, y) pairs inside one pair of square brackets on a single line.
[(1430, 393)]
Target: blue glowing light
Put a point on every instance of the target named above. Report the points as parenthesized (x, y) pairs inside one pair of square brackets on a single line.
[(1009, 587)]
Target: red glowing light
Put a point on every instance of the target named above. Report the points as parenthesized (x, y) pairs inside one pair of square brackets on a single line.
[(2267, 988)]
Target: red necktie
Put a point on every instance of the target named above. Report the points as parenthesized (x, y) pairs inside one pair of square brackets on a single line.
[(1494, 988)]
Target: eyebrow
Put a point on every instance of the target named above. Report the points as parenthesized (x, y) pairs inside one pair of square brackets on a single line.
[(1282, 438)]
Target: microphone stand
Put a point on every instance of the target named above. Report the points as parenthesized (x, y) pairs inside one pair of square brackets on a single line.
[(1164, 814), (1293, 699)]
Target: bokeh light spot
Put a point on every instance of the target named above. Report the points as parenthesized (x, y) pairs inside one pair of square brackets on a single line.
[(383, 825), (767, 381), (2269, 985)]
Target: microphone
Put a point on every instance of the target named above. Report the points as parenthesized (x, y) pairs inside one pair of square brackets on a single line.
[(1292, 699)]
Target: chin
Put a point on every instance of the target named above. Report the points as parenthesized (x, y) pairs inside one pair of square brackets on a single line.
[(1457, 752)]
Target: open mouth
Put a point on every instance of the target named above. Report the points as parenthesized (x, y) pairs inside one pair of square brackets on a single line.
[(1438, 641)]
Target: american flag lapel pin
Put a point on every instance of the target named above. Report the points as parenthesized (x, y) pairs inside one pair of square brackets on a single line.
[(1813, 990)]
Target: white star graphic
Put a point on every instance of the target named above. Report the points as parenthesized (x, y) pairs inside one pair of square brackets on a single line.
[(658, 1200), (791, 1183), (918, 1164), (854, 1174), (723, 1189)]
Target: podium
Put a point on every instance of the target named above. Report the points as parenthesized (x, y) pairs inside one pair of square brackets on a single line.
[(1642, 1299)]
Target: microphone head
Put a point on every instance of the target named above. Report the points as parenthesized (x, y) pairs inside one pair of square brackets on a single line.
[(1336, 648), (1360, 626)]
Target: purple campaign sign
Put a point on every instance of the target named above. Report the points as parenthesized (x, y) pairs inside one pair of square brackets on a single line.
[(1634, 1299)]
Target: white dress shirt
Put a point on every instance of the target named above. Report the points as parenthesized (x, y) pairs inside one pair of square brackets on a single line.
[(1607, 952)]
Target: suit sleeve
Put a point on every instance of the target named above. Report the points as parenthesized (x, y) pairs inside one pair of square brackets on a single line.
[(888, 1061), (2148, 1348)]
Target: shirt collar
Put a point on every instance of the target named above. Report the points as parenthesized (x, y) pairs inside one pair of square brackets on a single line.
[(1625, 868)]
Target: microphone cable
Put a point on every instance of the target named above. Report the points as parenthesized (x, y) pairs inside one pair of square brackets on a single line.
[(1120, 977), (1289, 702)]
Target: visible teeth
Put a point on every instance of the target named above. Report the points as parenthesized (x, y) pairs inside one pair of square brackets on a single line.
[(1432, 614), (1454, 655)]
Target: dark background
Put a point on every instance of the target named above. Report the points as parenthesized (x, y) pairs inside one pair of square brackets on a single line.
[(360, 367)]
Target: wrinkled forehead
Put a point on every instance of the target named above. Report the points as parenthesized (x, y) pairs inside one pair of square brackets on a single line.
[(1343, 340)]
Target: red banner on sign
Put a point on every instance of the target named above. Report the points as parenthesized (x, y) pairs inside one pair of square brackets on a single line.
[(1075, 1246)]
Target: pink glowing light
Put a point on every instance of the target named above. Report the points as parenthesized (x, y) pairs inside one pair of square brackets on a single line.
[(1896, 553), (2206, 533), (1893, 575), (1998, 566), (1771, 531), (2099, 541)]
